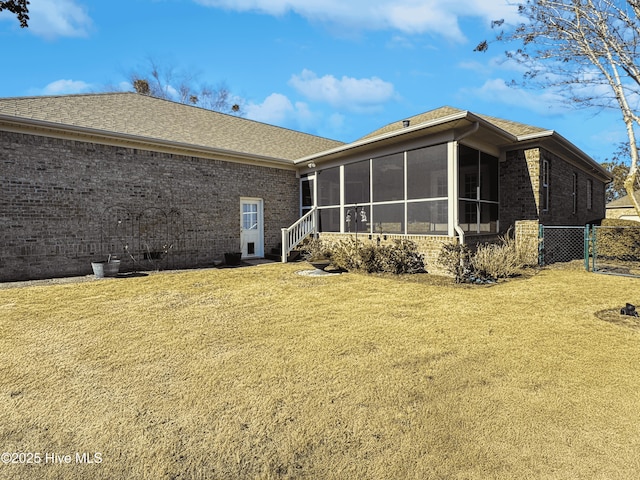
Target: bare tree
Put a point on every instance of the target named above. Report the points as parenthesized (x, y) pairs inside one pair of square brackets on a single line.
[(20, 8), (168, 83), (589, 49)]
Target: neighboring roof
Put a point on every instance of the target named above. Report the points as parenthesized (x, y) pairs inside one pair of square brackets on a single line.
[(133, 114), (624, 202)]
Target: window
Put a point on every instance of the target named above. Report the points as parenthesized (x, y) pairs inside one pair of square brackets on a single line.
[(544, 190), (427, 218), (427, 172), (402, 193), (589, 194), (356, 183), (574, 192), (478, 175), (389, 218), (329, 219), (388, 178), (306, 193), (249, 216), (329, 186), (468, 174), (488, 177)]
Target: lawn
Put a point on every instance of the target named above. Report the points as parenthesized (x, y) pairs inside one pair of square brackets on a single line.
[(259, 372)]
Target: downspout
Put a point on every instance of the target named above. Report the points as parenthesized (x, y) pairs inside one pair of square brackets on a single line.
[(465, 133), (460, 233)]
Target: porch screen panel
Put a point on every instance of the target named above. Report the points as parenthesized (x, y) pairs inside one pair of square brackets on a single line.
[(356, 183), (427, 172), (307, 193), (488, 218), (488, 177), (428, 218), (478, 191), (468, 212), (388, 178), (468, 174), (388, 218), (329, 186), (329, 219)]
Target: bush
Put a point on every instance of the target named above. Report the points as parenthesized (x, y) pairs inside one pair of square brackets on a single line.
[(455, 258), (490, 261), (497, 260), (344, 253), (619, 239), (400, 257), (315, 249)]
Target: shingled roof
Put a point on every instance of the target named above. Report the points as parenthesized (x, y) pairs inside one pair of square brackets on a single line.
[(129, 113), (514, 128)]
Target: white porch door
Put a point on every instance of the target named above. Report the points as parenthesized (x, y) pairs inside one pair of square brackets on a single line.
[(251, 227)]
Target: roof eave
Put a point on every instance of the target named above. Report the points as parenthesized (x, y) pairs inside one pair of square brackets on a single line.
[(555, 136), (385, 136), (28, 125), (462, 115)]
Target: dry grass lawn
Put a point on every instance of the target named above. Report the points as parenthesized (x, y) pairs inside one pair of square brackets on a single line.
[(261, 373)]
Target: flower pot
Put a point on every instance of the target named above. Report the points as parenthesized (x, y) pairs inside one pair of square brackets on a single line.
[(320, 264), (106, 269), (98, 269), (111, 268), (233, 258)]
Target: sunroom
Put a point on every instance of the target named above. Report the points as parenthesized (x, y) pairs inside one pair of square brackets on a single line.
[(434, 177), (430, 190), (445, 175)]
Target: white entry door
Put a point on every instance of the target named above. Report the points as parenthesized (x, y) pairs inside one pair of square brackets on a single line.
[(251, 227)]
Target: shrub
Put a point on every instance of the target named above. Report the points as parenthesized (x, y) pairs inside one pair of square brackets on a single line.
[(619, 239), (497, 260), (400, 257), (344, 254), (454, 258), (315, 249), (490, 261)]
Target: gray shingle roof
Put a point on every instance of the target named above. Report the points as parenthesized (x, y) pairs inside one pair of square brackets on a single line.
[(140, 115), (514, 128)]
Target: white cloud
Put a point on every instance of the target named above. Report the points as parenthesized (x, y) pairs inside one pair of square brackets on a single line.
[(58, 18), (64, 87), (407, 16), (346, 93), (275, 110), (498, 91)]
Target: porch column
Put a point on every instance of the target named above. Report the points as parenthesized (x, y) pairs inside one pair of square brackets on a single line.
[(452, 188)]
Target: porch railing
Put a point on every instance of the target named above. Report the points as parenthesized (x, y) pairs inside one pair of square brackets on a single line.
[(292, 236)]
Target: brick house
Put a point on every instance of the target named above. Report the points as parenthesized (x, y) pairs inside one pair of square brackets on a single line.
[(89, 175)]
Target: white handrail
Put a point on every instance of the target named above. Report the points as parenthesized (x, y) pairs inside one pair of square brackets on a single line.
[(292, 236)]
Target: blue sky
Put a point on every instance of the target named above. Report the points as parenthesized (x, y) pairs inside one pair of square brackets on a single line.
[(335, 68)]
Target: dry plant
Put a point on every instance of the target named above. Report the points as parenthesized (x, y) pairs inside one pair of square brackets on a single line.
[(259, 372), (497, 260)]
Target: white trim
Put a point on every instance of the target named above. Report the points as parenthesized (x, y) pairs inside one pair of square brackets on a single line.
[(452, 193)]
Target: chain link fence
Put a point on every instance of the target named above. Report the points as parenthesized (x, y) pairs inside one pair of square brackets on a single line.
[(560, 244), (614, 250), (604, 249)]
